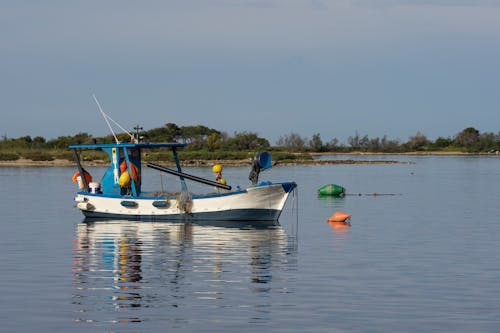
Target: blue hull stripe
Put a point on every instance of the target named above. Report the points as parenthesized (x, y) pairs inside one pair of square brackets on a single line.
[(248, 215)]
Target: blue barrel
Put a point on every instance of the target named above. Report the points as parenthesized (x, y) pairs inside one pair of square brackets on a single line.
[(264, 159)]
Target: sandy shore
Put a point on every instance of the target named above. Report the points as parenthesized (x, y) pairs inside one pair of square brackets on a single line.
[(66, 163)]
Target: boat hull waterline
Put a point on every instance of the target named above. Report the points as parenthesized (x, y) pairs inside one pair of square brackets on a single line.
[(263, 202)]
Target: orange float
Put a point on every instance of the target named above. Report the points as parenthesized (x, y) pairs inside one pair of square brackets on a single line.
[(76, 178), (339, 217), (339, 225)]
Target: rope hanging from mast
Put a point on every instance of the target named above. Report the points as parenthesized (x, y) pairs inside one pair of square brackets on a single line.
[(107, 118)]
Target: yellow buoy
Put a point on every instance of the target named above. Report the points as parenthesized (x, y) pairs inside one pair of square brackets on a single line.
[(222, 181), (124, 180), (217, 168)]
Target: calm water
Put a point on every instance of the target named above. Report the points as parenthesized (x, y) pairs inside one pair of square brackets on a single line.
[(424, 259)]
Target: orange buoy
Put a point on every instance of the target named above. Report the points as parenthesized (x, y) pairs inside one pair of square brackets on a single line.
[(339, 225), (133, 169), (123, 166), (339, 217), (76, 178)]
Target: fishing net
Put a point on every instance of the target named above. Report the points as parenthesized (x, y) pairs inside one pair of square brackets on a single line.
[(184, 201)]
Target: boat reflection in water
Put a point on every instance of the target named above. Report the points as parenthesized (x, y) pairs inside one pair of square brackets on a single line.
[(127, 271)]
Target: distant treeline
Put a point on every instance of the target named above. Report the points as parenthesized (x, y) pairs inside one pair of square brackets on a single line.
[(469, 140), (212, 144)]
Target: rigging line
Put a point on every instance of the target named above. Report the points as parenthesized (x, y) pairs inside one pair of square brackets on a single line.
[(161, 183), (105, 118), (123, 129)]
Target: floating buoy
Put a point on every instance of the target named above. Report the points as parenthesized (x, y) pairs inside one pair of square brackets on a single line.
[(340, 225), (217, 168), (124, 179), (331, 189), (339, 217), (133, 169), (339, 220), (123, 166), (78, 179)]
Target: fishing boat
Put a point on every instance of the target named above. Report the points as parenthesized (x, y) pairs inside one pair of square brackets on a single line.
[(119, 193)]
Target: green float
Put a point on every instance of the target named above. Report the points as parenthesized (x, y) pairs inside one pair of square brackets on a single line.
[(332, 190)]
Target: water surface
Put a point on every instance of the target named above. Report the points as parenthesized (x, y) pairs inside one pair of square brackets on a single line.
[(422, 255)]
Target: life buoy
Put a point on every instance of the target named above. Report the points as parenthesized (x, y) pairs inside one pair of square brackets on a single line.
[(77, 179)]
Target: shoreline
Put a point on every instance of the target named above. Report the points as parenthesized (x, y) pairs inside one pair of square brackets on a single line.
[(414, 153), (97, 163), (22, 163)]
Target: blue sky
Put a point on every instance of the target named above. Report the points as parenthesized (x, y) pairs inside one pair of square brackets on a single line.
[(386, 67)]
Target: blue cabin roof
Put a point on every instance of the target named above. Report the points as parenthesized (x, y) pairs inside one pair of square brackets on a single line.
[(128, 145)]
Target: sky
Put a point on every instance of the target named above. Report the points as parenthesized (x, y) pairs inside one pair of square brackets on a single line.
[(384, 67)]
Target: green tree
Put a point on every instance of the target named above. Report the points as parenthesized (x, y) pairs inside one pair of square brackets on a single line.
[(168, 133), (468, 138), (316, 144), (390, 146), (442, 142), (246, 141), (292, 140), (332, 145), (487, 142), (374, 145), (214, 141), (353, 141), (192, 133), (38, 142), (417, 142)]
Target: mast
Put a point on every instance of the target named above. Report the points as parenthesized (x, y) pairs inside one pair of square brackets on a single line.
[(80, 169)]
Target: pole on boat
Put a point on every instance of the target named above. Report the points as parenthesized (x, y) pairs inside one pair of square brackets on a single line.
[(80, 169), (183, 175), (137, 129), (179, 169)]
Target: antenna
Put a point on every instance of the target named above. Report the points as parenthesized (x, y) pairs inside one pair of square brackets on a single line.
[(107, 118)]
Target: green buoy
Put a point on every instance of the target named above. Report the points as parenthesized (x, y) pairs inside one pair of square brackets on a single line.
[(332, 189)]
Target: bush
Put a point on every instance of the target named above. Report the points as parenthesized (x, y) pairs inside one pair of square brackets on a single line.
[(63, 155), (9, 156), (92, 155), (214, 155), (156, 156), (38, 156)]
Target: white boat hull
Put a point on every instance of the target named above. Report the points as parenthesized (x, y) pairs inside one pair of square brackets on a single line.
[(263, 202)]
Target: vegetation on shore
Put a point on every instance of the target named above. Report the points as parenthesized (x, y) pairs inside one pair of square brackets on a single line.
[(205, 143)]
